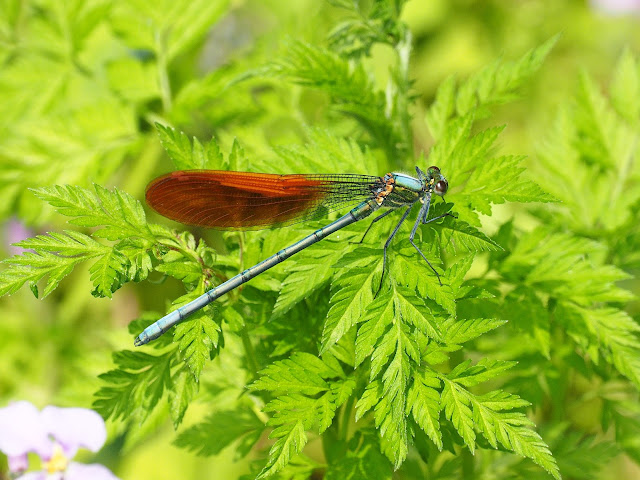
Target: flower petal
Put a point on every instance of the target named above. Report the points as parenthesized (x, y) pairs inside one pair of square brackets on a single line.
[(94, 471), (37, 476), (21, 431), (16, 231), (18, 463), (74, 428)]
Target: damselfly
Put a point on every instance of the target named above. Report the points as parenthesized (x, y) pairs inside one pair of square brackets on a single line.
[(220, 199)]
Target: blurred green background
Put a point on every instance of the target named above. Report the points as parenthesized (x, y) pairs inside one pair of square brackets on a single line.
[(77, 106)]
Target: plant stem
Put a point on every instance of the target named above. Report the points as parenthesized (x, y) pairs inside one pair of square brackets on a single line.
[(468, 465), (250, 352), (163, 77), (346, 418)]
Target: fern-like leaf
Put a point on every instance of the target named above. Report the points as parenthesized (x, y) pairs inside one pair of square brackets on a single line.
[(423, 401), (513, 430), (349, 293), (315, 389), (116, 213), (198, 337), (457, 408), (187, 154), (106, 273)]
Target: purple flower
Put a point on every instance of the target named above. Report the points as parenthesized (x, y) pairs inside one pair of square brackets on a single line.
[(55, 434), (15, 232)]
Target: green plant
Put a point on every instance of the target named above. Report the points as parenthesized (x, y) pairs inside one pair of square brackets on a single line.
[(421, 376)]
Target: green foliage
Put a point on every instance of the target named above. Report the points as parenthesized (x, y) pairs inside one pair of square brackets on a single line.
[(184, 155), (382, 114), (493, 85), (349, 88), (221, 429), (314, 388), (59, 253), (360, 460), (140, 382), (366, 25), (119, 217), (407, 375), (84, 81)]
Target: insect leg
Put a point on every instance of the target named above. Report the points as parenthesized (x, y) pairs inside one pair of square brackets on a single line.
[(388, 242), (424, 211), (379, 217)]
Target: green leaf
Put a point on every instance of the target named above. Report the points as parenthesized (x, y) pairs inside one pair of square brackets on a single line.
[(609, 329), (389, 414), (369, 399), (290, 441), (414, 312), (138, 258), (386, 336), (324, 152), (348, 85), (457, 408), (185, 387), (450, 145), (302, 373), (199, 337), (296, 413), (32, 267), (186, 156), (312, 269), (423, 401), (499, 180), (189, 271), (556, 263), (476, 150), (443, 106), (315, 389), (626, 428), (219, 430), (348, 294), (458, 331), (107, 273), (57, 254), (493, 85), (625, 87), (500, 81), (187, 24), (365, 25), (134, 79), (526, 312), (379, 315), (601, 127), (134, 389), (66, 244), (511, 429), (595, 140), (117, 213), (361, 461), (469, 375), (413, 273), (583, 456), (168, 28), (237, 156), (459, 236)]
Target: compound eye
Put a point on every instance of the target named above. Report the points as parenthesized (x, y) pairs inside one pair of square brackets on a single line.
[(433, 169), (441, 187)]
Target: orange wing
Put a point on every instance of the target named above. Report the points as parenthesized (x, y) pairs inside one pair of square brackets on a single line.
[(224, 199)]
